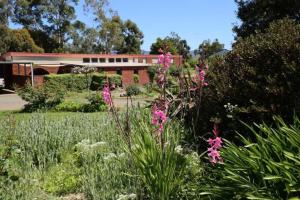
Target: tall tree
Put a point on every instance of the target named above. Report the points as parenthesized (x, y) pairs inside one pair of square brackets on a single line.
[(29, 13), (174, 44), (22, 41), (208, 48), (59, 14), (133, 38), (6, 7), (5, 39), (257, 14), (114, 33)]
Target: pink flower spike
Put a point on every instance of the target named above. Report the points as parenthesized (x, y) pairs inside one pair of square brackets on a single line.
[(210, 141), (106, 95), (217, 143)]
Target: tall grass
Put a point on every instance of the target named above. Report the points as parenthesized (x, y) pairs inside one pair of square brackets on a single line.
[(51, 155)]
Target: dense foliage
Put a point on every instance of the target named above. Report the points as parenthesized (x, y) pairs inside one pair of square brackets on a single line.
[(258, 14), (41, 98), (264, 70), (208, 48), (79, 82), (265, 167), (63, 32), (173, 43)]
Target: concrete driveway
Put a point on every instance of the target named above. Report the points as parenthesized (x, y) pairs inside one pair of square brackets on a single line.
[(10, 101)]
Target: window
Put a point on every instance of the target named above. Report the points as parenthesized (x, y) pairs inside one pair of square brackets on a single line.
[(86, 60), (111, 60), (94, 60), (136, 71), (119, 71), (102, 60), (133, 60), (118, 60), (125, 59)]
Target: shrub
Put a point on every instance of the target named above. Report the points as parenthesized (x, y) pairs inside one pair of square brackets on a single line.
[(62, 179), (136, 78), (115, 79), (265, 70), (45, 97), (265, 167), (98, 80), (96, 103), (174, 71), (132, 90), (72, 82), (70, 106), (152, 72)]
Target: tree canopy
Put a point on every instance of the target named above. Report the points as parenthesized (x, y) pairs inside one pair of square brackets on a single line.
[(258, 14), (173, 43), (54, 27), (208, 48)]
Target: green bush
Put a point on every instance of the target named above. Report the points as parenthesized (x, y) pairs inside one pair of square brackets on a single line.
[(115, 79), (132, 90), (72, 82), (70, 106), (136, 78), (265, 167), (152, 71), (173, 70), (96, 103), (41, 98), (63, 178), (265, 70), (98, 80)]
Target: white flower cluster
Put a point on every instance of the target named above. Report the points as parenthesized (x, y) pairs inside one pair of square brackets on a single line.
[(86, 145), (83, 70), (127, 197)]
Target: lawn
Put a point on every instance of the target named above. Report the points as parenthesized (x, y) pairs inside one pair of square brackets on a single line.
[(53, 155)]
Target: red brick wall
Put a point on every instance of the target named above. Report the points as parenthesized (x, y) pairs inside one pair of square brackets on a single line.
[(127, 76), (143, 76)]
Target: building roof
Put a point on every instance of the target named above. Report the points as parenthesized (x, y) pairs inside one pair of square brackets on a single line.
[(70, 55)]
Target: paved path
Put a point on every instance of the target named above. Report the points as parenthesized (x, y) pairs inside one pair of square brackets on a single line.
[(10, 101)]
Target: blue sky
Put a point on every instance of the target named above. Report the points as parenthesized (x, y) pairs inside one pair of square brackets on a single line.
[(193, 20)]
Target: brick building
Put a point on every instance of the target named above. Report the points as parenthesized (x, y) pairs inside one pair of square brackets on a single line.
[(19, 67)]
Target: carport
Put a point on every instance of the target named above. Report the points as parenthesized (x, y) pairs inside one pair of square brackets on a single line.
[(6, 69)]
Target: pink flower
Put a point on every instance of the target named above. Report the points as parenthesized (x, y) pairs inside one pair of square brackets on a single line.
[(201, 74), (210, 142), (165, 60), (215, 144), (106, 95), (158, 118)]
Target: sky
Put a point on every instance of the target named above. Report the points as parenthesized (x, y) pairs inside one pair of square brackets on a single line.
[(193, 20)]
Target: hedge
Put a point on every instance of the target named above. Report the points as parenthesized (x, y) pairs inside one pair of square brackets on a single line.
[(71, 82), (98, 80), (77, 82)]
